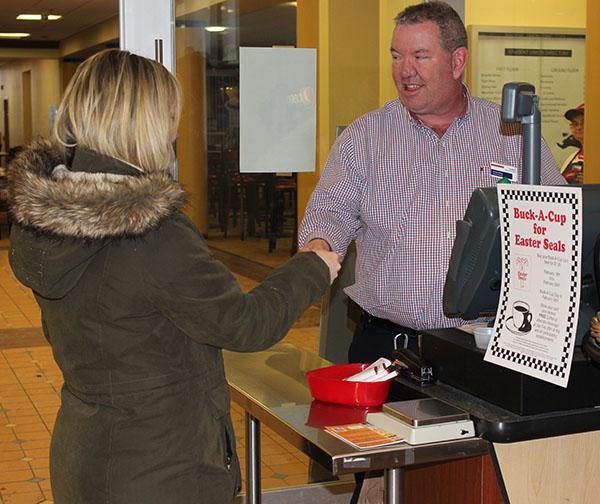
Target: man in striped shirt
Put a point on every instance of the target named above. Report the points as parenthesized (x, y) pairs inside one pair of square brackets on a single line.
[(399, 178)]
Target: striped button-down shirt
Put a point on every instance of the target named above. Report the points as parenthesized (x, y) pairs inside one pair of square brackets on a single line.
[(395, 187)]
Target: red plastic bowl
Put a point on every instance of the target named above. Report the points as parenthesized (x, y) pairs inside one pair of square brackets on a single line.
[(322, 414), (327, 384)]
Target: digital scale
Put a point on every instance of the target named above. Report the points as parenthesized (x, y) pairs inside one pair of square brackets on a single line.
[(421, 421)]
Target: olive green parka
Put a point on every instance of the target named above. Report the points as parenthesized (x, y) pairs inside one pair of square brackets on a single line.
[(137, 311)]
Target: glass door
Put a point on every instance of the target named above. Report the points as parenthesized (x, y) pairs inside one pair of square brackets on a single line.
[(249, 215)]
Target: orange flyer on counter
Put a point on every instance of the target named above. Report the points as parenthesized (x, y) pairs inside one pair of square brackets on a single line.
[(363, 435)]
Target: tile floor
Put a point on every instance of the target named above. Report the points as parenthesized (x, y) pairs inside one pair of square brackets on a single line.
[(29, 399)]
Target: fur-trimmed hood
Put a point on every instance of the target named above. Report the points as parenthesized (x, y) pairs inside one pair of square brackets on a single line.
[(96, 197), (64, 217)]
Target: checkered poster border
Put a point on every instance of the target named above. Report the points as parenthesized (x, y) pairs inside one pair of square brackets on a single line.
[(559, 370)]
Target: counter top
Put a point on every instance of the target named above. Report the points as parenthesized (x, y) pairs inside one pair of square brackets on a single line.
[(271, 386)]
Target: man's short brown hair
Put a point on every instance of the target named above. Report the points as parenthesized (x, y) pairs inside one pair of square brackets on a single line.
[(452, 30)]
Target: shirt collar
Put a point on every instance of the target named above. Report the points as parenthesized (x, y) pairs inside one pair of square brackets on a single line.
[(457, 120)]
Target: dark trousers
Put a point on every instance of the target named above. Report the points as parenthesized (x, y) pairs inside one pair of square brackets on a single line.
[(375, 337)]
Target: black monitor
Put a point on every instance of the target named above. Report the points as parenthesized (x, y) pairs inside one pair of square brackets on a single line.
[(474, 274)]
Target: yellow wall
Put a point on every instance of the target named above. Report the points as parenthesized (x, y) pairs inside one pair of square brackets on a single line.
[(45, 91), (96, 35), (563, 13), (388, 10), (191, 144), (353, 60), (591, 173), (17, 52), (310, 29)]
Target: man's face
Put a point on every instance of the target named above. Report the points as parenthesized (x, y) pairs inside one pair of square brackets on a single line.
[(426, 75), (576, 126)]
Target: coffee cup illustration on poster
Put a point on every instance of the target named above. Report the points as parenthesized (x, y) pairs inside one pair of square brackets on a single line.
[(520, 320), (536, 321)]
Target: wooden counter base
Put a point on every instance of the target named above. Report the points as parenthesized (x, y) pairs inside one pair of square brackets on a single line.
[(552, 470)]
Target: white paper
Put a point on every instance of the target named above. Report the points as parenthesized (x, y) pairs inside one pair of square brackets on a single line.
[(372, 372), (278, 120), (536, 322)]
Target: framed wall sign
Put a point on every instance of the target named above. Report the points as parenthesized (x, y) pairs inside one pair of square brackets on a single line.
[(552, 59)]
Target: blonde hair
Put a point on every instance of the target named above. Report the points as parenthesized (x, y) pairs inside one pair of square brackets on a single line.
[(124, 106)]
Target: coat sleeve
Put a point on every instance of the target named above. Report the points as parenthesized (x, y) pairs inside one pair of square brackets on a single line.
[(204, 300)]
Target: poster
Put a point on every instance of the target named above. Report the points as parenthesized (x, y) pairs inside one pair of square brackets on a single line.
[(536, 322), (551, 59), (278, 109)]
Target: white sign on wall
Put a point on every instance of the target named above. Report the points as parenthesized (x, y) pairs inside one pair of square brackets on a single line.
[(551, 59), (277, 109)]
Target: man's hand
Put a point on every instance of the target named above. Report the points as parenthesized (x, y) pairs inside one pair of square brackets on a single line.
[(316, 244)]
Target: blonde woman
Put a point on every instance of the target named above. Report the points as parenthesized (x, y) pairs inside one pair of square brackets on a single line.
[(134, 305)]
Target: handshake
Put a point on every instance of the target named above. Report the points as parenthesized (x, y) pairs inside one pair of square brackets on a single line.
[(323, 250)]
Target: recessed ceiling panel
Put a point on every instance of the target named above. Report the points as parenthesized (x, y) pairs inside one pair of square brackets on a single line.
[(77, 16)]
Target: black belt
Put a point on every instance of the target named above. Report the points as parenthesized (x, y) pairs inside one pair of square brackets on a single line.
[(388, 325)]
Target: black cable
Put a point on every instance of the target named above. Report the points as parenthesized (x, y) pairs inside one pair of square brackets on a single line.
[(360, 479)]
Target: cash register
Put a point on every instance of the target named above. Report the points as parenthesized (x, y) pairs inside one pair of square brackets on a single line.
[(472, 290)]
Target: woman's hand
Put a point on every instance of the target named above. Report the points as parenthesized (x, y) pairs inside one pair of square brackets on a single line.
[(333, 263)]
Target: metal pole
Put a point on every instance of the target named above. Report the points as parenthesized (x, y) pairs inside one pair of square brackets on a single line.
[(252, 460), (393, 485), (532, 144)]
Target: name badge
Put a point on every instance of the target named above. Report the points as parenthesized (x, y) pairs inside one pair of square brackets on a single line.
[(502, 171)]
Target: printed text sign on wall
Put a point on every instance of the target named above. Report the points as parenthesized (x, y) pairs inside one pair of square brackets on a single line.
[(552, 59)]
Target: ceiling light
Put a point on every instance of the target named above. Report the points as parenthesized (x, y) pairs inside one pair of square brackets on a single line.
[(13, 35), (215, 29), (38, 17), (29, 17)]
